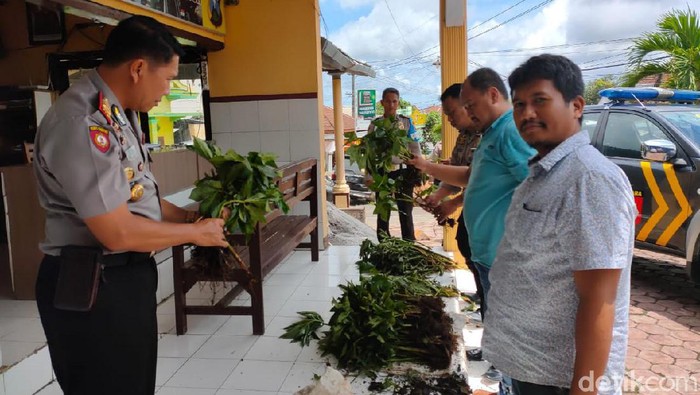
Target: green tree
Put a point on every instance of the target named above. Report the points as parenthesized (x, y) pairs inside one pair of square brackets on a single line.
[(402, 104), (678, 37), (432, 131), (433, 121), (590, 94)]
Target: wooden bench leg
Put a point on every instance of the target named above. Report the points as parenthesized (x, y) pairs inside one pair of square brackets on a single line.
[(179, 290), (256, 297), (314, 244)]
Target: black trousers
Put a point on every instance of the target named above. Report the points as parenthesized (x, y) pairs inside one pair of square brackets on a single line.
[(112, 349), (525, 388), (404, 202), (466, 251)]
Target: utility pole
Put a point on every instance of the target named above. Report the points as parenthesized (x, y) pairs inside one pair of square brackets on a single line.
[(354, 103)]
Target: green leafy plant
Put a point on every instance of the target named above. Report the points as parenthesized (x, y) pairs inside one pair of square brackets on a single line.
[(383, 320), (374, 153), (304, 330), (244, 188), (245, 185), (400, 257)]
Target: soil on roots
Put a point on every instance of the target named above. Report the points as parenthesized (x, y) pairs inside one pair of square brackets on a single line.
[(414, 384), (432, 332)]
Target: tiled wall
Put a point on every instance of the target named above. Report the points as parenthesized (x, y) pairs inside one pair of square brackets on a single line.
[(288, 128)]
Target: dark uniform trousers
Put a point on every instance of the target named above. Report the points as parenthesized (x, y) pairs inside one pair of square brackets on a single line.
[(404, 202), (111, 350), (462, 238)]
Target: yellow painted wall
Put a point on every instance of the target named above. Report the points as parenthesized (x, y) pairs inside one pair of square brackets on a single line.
[(271, 47), (164, 125), (165, 130), (25, 65)]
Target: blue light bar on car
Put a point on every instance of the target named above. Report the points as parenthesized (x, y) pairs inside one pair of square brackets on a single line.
[(649, 94)]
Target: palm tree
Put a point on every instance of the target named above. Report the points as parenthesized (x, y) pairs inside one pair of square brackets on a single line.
[(678, 38)]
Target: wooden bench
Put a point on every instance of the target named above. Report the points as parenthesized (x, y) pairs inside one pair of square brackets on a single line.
[(270, 244)]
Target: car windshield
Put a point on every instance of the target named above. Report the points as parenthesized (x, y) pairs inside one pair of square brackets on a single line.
[(688, 122)]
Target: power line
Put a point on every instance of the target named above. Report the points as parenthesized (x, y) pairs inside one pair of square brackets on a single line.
[(552, 46), (529, 10), (622, 64), (397, 26), (499, 14)]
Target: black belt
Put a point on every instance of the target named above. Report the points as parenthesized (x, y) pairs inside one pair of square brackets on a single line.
[(125, 258)]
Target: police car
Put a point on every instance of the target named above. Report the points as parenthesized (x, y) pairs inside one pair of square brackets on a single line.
[(653, 134)]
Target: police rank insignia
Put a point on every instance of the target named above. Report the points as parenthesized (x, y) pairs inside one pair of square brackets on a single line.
[(117, 114), (136, 192), (100, 138), (103, 105), (129, 173)]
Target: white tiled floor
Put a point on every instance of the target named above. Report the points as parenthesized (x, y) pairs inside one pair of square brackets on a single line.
[(219, 355)]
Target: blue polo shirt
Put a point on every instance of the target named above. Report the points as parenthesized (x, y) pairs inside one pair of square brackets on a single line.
[(499, 165)]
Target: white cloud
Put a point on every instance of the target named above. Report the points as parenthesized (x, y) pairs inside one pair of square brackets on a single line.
[(375, 38), (349, 4)]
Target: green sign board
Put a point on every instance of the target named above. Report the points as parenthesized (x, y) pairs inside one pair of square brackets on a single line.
[(366, 100)]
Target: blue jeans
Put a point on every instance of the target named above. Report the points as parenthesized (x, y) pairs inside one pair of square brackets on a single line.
[(483, 272), (506, 386)]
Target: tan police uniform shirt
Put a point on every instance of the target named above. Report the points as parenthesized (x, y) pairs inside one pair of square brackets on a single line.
[(404, 124), (89, 159), (463, 152)]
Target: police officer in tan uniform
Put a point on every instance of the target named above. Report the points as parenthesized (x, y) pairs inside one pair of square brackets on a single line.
[(390, 102), (102, 205)]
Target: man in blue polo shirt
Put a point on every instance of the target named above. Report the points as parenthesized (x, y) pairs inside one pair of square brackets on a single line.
[(499, 165)]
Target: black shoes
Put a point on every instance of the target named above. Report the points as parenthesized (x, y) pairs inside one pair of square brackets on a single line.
[(474, 354)]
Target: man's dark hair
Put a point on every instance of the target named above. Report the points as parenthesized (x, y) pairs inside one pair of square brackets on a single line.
[(390, 90), (564, 74), (484, 78), (140, 37), (453, 92)]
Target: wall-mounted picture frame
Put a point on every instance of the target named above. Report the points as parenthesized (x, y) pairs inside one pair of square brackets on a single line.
[(45, 23)]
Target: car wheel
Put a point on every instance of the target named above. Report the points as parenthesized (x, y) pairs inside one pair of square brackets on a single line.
[(693, 268)]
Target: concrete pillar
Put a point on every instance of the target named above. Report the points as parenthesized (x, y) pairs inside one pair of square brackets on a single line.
[(341, 190), (453, 61)]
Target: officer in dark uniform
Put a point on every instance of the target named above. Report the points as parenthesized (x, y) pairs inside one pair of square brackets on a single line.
[(442, 204), (390, 102), (102, 205)]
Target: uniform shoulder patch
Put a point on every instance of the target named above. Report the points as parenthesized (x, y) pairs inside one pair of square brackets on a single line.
[(100, 138), (103, 106)]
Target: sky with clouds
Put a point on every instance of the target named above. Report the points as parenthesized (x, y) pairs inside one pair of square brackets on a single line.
[(400, 38)]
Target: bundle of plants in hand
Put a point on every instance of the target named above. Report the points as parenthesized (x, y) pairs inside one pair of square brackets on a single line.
[(374, 153), (380, 321), (400, 257), (244, 187)]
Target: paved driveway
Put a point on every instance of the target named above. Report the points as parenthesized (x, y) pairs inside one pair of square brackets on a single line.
[(664, 346), (663, 356)]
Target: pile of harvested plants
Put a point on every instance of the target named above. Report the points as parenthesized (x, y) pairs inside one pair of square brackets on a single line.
[(244, 187), (374, 152), (400, 257), (380, 321)]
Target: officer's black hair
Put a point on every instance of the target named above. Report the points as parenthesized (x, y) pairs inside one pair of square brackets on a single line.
[(390, 90), (484, 78), (140, 37), (453, 91), (564, 74)]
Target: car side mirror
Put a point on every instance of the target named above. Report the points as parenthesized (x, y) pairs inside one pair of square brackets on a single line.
[(658, 150)]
